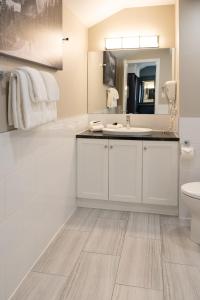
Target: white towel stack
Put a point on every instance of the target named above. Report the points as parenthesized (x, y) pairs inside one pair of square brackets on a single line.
[(32, 98), (96, 126)]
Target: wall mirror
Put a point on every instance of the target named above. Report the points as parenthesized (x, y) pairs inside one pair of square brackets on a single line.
[(129, 81)]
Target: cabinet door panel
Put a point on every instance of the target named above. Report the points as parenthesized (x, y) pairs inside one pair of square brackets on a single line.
[(125, 170), (160, 173), (92, 170)]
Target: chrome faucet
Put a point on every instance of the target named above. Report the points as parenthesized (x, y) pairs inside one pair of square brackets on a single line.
[(128, 121)]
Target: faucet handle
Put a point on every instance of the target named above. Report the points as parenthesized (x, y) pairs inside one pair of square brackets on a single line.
[(128, 120)]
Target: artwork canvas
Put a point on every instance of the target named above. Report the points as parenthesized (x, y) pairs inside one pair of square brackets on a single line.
[(32, 30), (109, 70)]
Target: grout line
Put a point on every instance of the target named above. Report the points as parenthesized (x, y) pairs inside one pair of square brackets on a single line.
[(75, 268), (100, 253), (161, 258), (139, 287), (179, 264), (120, 256), (142, 237), (50, 274)]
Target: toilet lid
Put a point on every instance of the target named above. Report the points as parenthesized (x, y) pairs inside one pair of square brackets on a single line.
[(191, 189)]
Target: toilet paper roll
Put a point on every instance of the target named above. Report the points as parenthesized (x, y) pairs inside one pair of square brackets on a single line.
[(187, 152)]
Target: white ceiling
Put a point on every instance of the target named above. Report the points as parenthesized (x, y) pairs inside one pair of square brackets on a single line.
[(91, 12)]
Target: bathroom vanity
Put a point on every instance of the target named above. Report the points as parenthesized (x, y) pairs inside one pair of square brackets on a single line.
[(130, 173)]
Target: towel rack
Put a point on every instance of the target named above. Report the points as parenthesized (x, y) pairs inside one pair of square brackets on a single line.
[(3, 74), (4, 127)]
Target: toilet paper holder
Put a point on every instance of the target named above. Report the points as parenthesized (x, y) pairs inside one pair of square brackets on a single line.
[(186, 143)]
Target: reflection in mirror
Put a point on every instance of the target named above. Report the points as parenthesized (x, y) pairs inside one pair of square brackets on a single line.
[(129, 81)]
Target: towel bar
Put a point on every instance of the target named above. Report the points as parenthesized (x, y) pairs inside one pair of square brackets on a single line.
[(3, 74), (4, 127)]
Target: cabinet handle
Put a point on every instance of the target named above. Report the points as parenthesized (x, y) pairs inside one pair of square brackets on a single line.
[(105, 146), (111, 147), (145, 148)]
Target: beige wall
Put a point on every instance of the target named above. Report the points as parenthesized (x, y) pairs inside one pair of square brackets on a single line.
[(96, 88), (73, 79), (159, 20), (189, 58)]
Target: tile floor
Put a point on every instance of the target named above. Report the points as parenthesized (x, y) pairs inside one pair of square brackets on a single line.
[(112, 255)]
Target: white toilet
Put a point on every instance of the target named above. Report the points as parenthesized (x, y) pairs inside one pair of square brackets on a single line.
[(192, 201)]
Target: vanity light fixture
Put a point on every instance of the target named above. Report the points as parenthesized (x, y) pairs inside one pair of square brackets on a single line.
[(113, 43), (134, 42), (131, 42), (149, 41)]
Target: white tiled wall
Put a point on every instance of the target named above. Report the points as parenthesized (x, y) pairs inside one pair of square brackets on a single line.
[(189, 169), (37, 194)]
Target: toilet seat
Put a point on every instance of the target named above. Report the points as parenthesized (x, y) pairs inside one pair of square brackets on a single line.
[(191, 189)]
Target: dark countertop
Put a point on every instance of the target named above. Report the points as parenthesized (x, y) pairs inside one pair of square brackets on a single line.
[(155, 136)]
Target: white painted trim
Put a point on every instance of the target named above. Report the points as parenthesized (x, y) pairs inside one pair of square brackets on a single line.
[(28, 272), (132, 207)]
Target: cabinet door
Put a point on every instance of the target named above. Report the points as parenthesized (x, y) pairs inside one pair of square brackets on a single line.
[(92, 169), (160, 173), (125, 170)]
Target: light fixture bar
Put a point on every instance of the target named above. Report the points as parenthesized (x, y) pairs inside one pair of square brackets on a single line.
[(113, 43), (130, 42), (134, 42), (149, 41)]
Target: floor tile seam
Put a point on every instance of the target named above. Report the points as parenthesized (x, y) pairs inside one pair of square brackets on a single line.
[(119, 260), (123, 239), (162, 268), (179, 264), (79, 230), (100, 253), (49, 274), (137, 286), (75, 268), (142, 237)]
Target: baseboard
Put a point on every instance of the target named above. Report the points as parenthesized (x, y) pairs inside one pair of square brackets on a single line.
[(57, 232), (134, 207)]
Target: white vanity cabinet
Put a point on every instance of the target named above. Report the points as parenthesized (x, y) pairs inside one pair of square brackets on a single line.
[(128, 171), (92, 168), (125, 171), (160, 172)]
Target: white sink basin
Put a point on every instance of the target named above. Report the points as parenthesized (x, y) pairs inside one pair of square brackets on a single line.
[(131, 131)]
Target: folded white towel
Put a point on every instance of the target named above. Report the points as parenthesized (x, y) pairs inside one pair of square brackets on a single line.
[(51, 85), (112, 97), (97, 128), (23, 113), (36, 84)]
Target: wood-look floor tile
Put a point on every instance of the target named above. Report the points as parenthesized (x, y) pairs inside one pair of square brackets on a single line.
[(41, 287), (107, 237), (114, 214), (122, 292), (63, 253), (167, 220), (178, 247), (94, 278), (181, 282), (83, 219), (142, 225), (140, 264)]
